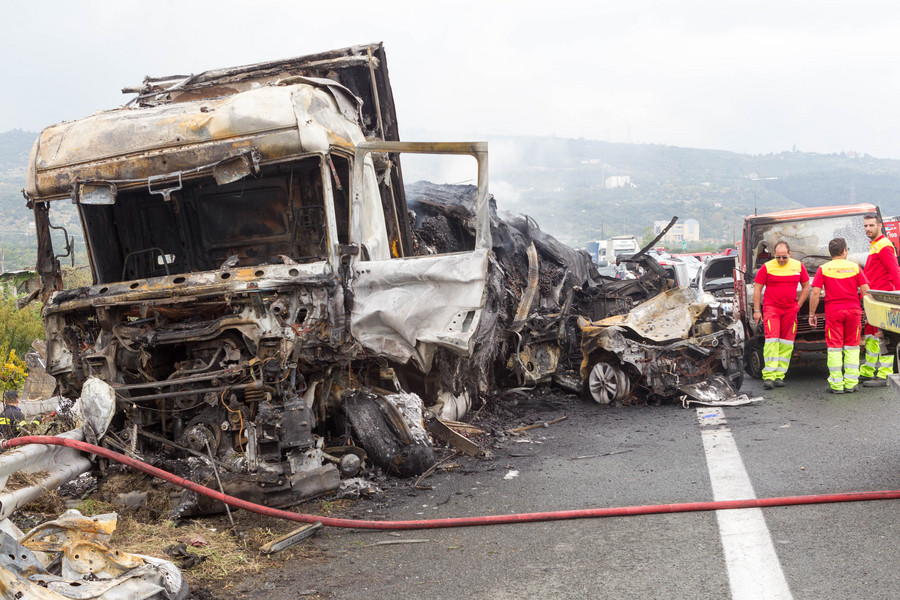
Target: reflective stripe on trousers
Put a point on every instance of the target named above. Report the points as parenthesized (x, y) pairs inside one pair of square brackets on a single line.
[(776, 358), (843, 367), (878, 362)]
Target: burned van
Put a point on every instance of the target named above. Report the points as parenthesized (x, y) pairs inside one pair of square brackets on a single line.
[(255, 297)]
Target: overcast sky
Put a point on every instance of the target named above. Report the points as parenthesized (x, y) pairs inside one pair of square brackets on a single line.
[(755, 77)]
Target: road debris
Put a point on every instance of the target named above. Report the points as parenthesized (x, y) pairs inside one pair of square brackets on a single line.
[(465, 428), (186, 559), (395, 543), (518, 430), (441, 463), (291, 539), (457, 441), (715, 391), (70, 557), (600, 455), (357, 487)]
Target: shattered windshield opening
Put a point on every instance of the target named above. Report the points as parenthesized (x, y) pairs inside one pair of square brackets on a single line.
[(256, 220)]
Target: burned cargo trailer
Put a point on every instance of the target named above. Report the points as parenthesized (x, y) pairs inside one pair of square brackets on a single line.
[(252, 270)]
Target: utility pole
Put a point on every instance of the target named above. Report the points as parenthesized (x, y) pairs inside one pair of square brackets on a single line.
[(756, 181)]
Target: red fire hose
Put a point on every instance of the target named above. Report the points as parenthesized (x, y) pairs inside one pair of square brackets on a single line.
[(453, 522)]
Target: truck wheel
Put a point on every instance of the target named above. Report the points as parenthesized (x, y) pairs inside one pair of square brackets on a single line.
[(384, 437), (736, 375), (753, 357)]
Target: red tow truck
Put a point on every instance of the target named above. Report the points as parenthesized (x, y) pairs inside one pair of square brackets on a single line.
[(807, 231)]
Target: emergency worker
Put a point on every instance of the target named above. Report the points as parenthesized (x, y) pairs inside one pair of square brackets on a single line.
[(841, 279), (883, 274), (780, 277), (11, 419)]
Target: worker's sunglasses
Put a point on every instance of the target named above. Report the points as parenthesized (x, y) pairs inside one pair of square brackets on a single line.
[(782, 257)]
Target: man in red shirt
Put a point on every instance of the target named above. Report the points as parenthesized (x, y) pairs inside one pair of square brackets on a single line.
[(883, 274), (841, 279), (780, 276)]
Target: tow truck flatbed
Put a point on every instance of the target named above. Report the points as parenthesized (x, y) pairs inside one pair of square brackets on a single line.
[(883, 311)]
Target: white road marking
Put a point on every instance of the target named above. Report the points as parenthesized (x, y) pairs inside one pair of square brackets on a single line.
[(754, 571)]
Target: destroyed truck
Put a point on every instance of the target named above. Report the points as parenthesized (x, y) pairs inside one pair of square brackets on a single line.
[(255, 293)]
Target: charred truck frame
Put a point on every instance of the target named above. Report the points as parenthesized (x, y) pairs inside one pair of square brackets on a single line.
[(254, 288)]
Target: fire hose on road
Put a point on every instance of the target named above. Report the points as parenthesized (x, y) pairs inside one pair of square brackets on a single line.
[(588, 513)]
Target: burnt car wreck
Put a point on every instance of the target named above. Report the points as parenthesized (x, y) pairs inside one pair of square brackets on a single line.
[(252, 268), (664, 345)]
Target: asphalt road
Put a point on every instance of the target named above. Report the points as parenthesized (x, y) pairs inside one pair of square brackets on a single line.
[(797, 441)]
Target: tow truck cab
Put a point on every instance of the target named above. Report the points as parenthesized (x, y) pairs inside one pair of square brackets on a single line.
[(808, 232)]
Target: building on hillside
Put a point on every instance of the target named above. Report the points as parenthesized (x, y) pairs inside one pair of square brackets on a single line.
[(684, 231), (18, 283), (617, 181)]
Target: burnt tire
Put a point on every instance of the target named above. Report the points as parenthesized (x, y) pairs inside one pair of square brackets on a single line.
[(382, 434), (753, 357), (736, 376)]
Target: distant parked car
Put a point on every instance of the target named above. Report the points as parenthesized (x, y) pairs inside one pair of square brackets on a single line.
[(715, 282), (681, 270)]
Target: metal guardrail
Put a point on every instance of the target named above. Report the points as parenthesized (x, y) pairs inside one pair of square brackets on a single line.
[(44, 467), (30, 408)]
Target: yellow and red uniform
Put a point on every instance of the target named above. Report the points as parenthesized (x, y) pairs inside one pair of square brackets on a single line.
[(883, 273), (841, 279), (881, 269), (779, 308)]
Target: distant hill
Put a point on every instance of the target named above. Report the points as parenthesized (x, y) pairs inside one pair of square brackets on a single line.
[(15, 146), (565, 185), (18, 245), (580, 190)]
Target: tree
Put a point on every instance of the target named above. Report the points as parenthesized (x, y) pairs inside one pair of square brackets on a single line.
[(19, 328)]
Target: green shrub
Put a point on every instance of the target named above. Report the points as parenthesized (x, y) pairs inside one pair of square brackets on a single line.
[(19, 328)]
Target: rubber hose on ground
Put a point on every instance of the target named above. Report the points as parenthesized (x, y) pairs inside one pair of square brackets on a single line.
[(559, 515)]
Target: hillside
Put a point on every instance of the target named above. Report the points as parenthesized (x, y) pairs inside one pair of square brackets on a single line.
[(18, 246), (561, 183), (565, 184)]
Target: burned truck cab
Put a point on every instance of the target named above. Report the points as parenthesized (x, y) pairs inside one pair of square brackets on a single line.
[(251, 265)]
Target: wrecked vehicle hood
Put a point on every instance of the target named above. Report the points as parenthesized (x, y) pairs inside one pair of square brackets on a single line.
[(664, 318)]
